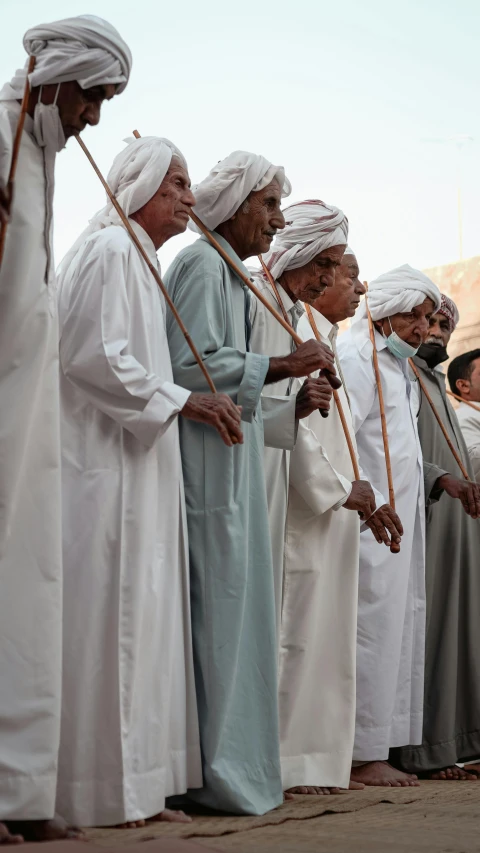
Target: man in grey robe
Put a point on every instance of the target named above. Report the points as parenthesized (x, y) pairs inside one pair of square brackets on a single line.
[(451, 721), (232, 593)]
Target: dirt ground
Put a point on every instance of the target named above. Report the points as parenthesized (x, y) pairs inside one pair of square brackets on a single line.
[(437, 816)]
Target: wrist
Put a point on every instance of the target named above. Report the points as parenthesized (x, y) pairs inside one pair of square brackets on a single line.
[(443, 481), (277, 370)]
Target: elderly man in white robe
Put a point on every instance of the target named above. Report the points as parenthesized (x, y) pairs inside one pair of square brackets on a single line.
[(129, 723), (391, 606), (233, 610), (270, 337), (320, 567), (79, 63)]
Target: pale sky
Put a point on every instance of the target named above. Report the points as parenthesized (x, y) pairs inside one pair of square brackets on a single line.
[(344, 95)]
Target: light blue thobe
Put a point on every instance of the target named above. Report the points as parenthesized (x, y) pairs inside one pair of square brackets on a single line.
[(232, 591)]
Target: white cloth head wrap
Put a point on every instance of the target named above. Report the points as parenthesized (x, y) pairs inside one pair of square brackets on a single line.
[(229, 183), (397, 292), (86, 49), (349, 251), (311, 227), (136, 174)]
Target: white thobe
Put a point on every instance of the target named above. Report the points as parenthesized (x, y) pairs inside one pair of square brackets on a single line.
[(391, 605), (319, 617), (469, 420), (268, 337), (30, 502), (129, 725)]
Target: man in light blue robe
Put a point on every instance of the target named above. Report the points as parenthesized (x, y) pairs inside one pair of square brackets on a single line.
[(232, 591)]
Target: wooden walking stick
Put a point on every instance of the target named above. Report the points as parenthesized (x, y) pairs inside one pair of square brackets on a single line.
[(438, 419), (461, 400), (152, 269), (338, 403), (15, 152), (381, 402)]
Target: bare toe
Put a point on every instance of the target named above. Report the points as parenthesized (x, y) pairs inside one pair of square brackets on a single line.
[(174, 816)]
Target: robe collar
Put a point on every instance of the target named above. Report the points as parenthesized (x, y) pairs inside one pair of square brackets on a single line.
[(227, 247), (361, 337), (327, 329), (420, 362), (146, 241)]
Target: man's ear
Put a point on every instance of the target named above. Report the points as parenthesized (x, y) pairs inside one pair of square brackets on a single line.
[(463, 386)]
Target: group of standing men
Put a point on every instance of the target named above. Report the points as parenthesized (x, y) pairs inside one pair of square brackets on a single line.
[(198, 593)]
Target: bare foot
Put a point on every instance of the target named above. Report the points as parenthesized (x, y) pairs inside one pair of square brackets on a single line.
[(383, 774), (287, 796), (44, 830), (312, 789), (356, 786), (452, 773), (173, 816), (132, 824), (472, 768), (6, 838)]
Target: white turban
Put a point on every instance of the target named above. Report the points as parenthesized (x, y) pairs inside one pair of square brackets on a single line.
[(397, 292), (229, 183), (86, 49), (311, 227), (349, 251), (136, 174)]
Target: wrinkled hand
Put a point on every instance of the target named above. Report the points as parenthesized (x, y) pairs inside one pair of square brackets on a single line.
[(4, 206), (468, 493), (361, 499), (314, 394), (386, 527), (311, 356), (218, 411)]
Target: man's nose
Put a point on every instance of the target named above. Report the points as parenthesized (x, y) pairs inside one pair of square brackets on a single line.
[(278, 220), (359, 288), (91, 114), (189, 198), (423, 328)]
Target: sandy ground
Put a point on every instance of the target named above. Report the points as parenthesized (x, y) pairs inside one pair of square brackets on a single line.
[(440, 816), (437, 816)]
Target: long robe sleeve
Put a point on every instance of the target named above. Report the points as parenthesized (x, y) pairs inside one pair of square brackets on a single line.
[(279, 423), (204, 309), (469, 420), (95, 352), (314, 477)]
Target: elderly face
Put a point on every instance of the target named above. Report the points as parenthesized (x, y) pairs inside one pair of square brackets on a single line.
[(258, 220), (308, 283), (342, 300), (167, 212), (439, 332), (413, 326), (77, 107)]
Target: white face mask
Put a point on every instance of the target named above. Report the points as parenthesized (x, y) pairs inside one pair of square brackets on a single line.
[(47, 126), (398, 347)]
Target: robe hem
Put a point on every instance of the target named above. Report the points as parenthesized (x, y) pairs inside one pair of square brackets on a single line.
[(329, 770), (28, 798), (429, 757)]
